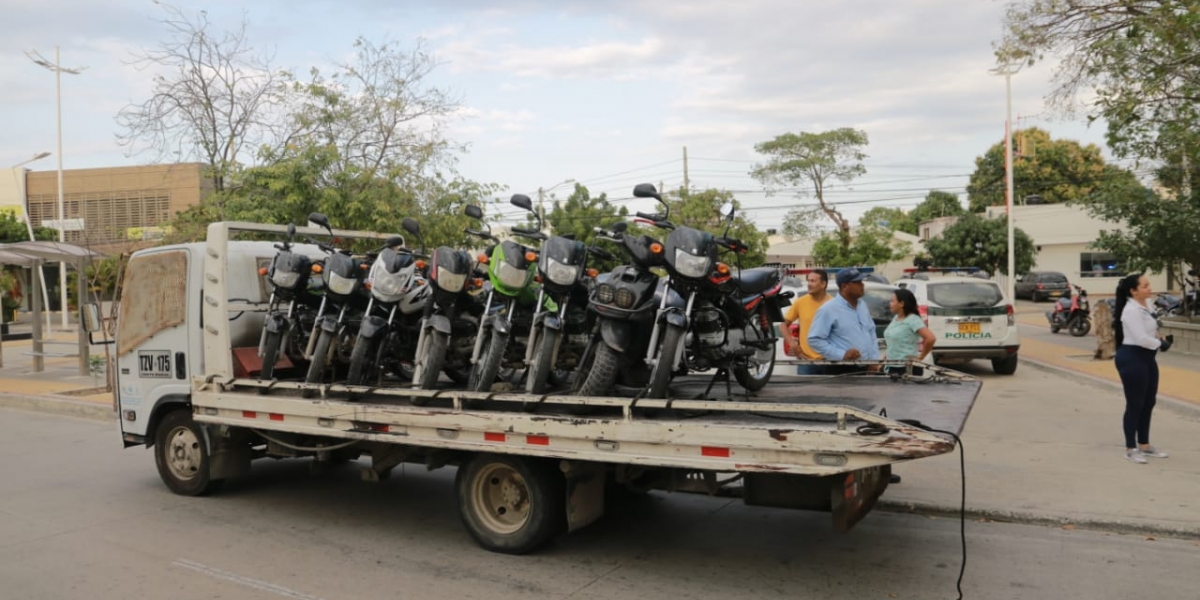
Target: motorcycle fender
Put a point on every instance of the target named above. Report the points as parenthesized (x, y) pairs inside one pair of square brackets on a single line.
[(372, 326), (551, 321), (501, 325), (277, 323), (676, 318), (617, 334), (329, 324), (439, 323)]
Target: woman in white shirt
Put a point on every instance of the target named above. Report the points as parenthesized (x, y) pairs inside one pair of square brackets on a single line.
[(1136, 332)]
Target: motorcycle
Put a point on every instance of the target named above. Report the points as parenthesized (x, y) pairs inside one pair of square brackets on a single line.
[(1072, 314), (450, 318), (341, 307), (510, 303), (559, 339), (290, 281), (388, 331)]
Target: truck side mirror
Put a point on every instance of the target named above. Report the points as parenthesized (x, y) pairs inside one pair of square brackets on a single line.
[(91, 317)]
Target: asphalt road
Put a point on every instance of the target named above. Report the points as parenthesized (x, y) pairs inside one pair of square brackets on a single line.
[(82, 518)]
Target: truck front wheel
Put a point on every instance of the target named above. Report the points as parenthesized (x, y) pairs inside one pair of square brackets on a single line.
[(511, 504), (182, 456)]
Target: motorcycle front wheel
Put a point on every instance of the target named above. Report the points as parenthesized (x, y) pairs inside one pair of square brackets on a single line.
[(660, 376)]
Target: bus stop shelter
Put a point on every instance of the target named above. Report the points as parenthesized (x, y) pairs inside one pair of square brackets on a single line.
[(32, 255)]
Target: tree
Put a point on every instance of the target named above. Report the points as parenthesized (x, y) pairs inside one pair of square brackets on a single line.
[(701, 210), (937, 204), (974, 241), (1137, 56), (580, 213), (1057, 170), (871, 245), (1150, 232), (814, 160), (12, 229), (802, 223), (212, 96), (889, 218)]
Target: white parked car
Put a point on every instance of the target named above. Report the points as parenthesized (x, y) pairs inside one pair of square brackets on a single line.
[(969, 317)]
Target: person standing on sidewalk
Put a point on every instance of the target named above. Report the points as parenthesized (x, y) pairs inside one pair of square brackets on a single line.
[(1136, 332), (843, 328), (907, 336), (802, 312)]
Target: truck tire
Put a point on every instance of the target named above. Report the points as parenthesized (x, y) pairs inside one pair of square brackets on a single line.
[(511, 504), (543, 361), (757, 378), (316, 368), (360, 359), (435, 355), (660, 375), (1005, 366), (270, 355), (182, 456), (483, 373)]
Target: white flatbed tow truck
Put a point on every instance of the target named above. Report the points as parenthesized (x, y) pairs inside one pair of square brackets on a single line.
[(529, 466)]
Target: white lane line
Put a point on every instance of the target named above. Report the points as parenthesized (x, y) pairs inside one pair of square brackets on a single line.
[(249, 582)]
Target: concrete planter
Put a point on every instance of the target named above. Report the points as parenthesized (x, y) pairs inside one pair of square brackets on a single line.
[(1187, 335)]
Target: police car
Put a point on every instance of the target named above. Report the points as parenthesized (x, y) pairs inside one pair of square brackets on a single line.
[(969, 316)]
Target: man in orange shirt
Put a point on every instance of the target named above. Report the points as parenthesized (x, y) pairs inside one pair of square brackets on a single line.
[(803, 309)]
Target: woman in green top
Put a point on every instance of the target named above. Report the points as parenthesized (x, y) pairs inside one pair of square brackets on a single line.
[(906, 331)]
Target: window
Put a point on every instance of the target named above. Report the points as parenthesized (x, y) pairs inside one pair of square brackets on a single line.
[(965, 294), (1100, 264)]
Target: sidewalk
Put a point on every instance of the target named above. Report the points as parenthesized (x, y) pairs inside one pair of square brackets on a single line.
[(1042, 446)]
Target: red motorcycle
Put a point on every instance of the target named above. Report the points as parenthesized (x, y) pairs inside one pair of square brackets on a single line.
[(1072, 314)]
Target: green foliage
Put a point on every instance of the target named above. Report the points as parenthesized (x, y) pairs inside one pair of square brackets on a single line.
[(580, 212), (1149, 232), (936, 204), (870, 246), (974, 241), (12, 229), (701, 210), (802, 222), (1136, 60), (814, 161), (1057, 170), (889, 218)]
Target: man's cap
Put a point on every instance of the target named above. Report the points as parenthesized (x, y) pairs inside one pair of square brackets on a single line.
[(849, 276)]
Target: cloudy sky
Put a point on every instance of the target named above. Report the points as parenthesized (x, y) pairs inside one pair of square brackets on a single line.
[(606, 93)]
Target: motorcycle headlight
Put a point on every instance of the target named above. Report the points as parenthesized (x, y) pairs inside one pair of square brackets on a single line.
[(624, 297), (690, 265), (285, 279), (560, 273), (511, 276), (339, 285), (388, 287), (604, 293), (450, 281)]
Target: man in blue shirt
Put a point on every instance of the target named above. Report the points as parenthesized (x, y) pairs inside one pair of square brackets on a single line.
[(843, 329)]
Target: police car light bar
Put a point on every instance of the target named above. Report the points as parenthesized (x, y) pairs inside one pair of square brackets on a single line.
[(970, 270), (831, 271)]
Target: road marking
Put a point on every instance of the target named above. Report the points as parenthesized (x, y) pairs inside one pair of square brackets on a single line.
[(250, 582)]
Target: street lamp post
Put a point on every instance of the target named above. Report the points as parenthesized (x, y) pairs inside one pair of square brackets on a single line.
[(1009, 69), (29, 229), (542, 196), (58, 70)]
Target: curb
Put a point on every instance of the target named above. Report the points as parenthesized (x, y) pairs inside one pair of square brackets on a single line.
[(58, 405), (1169, 403), (1020, 518)]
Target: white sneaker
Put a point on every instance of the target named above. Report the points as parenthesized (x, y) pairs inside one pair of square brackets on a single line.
[(1135, 455), (1154, 452)]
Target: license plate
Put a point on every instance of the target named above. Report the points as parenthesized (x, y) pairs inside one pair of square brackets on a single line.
[(969, 328)]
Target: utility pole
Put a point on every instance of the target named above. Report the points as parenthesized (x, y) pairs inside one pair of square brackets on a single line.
[(1009, 69), (58, 70), (686, 187)]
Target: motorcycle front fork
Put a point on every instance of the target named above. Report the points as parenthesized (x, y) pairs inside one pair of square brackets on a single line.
[(652, 357)]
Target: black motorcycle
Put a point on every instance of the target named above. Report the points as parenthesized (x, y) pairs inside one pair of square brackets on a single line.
[(726, 322), (341, 308), (286, 331), (449, 320)]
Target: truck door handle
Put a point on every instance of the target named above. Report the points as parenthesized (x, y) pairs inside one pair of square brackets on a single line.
[(180, 365)]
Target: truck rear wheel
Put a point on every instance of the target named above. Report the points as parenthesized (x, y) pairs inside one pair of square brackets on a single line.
[(182, 456), (511, 504)]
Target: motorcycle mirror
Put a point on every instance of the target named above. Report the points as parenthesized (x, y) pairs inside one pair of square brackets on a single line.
[(411, 225), (620, 227), (395, 241), (321, 221), (727, 210), (646, 190), (291, 230), (522, 201), (474, 212)]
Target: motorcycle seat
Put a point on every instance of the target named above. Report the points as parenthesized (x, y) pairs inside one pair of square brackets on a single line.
[(754, 281)]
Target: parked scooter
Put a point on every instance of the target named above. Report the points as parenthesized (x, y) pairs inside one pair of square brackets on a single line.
[(1072, 314)]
